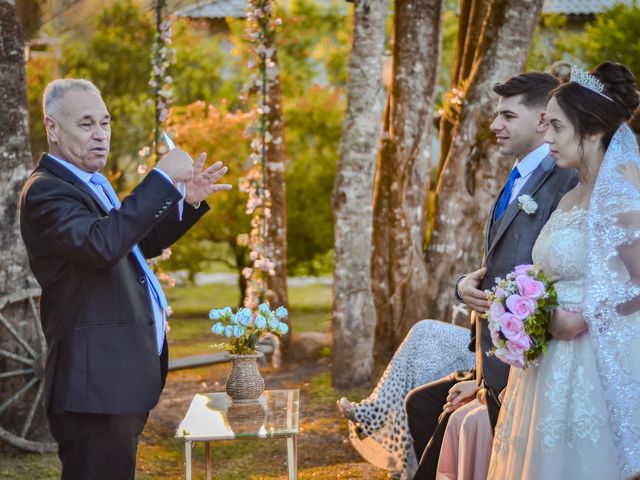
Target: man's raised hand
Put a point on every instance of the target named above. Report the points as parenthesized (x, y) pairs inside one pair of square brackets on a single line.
[(203, 183), (177, 164)]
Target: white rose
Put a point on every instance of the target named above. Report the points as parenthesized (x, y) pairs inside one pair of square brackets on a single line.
[(527, 204)]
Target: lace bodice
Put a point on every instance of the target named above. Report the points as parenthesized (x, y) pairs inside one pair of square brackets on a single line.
[(560, 251)]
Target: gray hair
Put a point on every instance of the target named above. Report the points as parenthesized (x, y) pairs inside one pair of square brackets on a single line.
[(57, 89)]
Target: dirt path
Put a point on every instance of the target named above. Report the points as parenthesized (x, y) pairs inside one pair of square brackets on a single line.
[(323, 448), (324, 452)]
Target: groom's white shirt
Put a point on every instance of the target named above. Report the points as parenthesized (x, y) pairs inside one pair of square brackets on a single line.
[(526, 166)]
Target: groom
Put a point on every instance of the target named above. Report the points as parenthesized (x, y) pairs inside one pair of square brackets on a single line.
[(520, 127)]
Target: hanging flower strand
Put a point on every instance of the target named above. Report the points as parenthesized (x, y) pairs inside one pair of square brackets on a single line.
[(163, 56), (259, 35)]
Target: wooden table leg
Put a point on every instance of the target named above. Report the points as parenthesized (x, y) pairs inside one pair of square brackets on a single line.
[(292, 457), (187, 459), (207, 457)]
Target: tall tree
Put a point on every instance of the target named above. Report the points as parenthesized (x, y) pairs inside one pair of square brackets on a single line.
[(30, 16), (472, 15), (402, 181), (473, 170), (15, 153), (22, 412), (354, 315), (276, 239)]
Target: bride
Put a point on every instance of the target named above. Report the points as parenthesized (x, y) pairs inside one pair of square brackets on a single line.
[(577, 413)]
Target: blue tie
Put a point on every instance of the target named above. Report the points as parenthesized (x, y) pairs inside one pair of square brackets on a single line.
[(506, 193), (155, 288)]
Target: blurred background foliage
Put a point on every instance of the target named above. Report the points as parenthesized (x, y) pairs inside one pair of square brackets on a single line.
[(113, 50)]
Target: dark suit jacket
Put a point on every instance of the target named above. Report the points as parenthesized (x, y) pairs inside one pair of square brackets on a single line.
[(509, 241), (95, 306)]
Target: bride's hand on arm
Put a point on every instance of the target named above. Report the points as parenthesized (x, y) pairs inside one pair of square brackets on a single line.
[(460, 394), (566, 324)]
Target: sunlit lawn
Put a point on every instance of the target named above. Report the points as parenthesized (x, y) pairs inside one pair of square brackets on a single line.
[(310, 310), (323, 450)]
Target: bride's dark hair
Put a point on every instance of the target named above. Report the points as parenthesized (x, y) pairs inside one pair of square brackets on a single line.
[(591, 113)]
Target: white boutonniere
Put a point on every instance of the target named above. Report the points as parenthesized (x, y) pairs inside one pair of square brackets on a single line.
[(527, 204)]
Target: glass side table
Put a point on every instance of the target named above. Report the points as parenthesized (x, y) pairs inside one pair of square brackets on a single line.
[(213, 416)]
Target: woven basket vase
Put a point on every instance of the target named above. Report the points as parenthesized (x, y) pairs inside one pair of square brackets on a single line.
[(244, 384)]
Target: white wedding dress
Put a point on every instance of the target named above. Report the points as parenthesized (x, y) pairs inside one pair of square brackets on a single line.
[(554, 423)]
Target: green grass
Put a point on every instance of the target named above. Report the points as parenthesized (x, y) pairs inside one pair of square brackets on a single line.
[(321, 391), (310, 310), (28, 466), (161, 456), (195, 302), (322, 453)]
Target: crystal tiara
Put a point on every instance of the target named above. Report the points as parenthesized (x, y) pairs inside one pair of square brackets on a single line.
[(586, 80)]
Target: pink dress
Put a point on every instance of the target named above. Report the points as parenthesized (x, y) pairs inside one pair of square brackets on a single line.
[(466, 446)]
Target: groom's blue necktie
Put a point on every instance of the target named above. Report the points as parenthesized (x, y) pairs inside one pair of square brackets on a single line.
[(506, 193), (154, 285)]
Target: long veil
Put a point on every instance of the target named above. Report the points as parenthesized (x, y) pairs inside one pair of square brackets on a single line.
[(612, 295)]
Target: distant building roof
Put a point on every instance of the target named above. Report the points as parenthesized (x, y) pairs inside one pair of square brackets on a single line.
[(580, 7), (237, 8), (214, 9)]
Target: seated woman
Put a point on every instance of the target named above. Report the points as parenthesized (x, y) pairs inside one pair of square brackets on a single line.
[(466, 446), (378, 427)]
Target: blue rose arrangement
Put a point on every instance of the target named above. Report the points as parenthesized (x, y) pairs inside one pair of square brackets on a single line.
[(245, 327)]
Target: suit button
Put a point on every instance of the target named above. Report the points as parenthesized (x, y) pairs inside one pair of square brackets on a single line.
[(152, 323), (156, 215), (142, 280), (169, 201)]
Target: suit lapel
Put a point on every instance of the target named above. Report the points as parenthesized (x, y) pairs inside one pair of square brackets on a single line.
[(60, 171), (536, 180)]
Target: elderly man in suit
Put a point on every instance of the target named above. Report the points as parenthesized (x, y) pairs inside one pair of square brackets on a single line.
[(510, 234), (102, 308)]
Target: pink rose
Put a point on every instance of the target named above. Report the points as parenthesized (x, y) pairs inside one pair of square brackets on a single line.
[(520, 345), (520, 306), (511, 326), (523, 269), (515, 359), (530, 288), (501, 353), (495, 335), (496, 310)]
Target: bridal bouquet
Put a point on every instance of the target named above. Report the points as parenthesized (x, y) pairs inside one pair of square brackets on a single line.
[(244, 328), (520, 307)]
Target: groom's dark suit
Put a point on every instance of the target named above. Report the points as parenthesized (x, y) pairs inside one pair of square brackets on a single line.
[(95, 305), (509, 240)]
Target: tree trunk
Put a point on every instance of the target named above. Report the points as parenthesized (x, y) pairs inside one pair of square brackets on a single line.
[(354, 316), (15, 276), (276, 239), (240, 256), (465, 192), (472, 15), (402, 179), (15, 153)]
